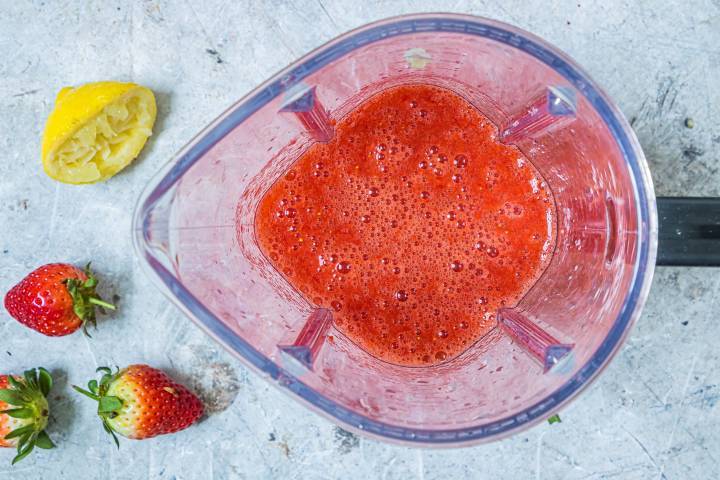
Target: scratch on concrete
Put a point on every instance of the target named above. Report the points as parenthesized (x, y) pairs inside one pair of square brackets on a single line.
[(388, 467), (204, 31), (622, 471), (564, 456), (641, 114), (332, 20), (538, 455), (715, 289), (90, 350), (662, 403), (642, 446), (27, 92), (666, 92), (671, 438), (701, 443), (250, 435), (283, 34)]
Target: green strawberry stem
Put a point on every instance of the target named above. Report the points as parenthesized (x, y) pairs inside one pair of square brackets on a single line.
[(85, 298), (28, 396), (86, 393), (108, 406), (101, 303)]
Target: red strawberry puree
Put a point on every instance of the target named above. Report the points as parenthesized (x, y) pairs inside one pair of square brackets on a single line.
[(414, 225)]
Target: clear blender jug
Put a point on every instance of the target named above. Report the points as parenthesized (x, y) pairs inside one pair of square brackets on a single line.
[(193, 232)]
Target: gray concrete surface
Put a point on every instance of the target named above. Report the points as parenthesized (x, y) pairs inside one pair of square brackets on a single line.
[(653, 414)]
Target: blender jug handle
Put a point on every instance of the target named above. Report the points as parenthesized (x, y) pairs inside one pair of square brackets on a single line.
[(689, 231)]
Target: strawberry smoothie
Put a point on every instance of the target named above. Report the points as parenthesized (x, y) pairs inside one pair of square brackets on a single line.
[(413, 225)]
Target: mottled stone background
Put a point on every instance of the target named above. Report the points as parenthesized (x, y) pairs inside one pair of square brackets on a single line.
[(653, 414)]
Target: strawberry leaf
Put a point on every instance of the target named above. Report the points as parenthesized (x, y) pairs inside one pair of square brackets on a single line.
[(43, 441), (45, 381), (109, 430), (30, 380), (93, 386), (12, 397), (18, 412), (109, 405), (106, 380), (23, 440), (19, 432), (24, 453), (14, 383)]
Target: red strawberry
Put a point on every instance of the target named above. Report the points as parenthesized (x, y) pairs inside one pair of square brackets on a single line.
[(24, 411), (141, 402), (55, 299)]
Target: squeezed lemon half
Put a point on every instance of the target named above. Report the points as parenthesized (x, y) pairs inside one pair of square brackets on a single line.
[(96, 130)]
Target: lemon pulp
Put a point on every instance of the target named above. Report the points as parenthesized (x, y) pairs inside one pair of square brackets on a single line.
[(96, 130)]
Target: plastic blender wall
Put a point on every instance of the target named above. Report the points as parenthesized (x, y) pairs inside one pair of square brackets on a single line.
[(577, 299)]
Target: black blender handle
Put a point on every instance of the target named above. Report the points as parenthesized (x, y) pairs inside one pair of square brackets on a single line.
[(689, 231)]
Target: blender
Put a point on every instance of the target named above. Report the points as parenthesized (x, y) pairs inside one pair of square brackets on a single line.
[(194, 232)]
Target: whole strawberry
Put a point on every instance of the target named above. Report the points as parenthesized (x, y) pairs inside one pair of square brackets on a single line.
[(24, 411), (141, 402), (55, 299)]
